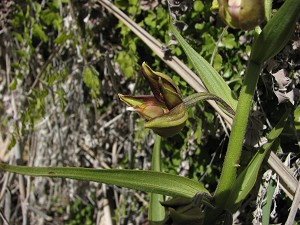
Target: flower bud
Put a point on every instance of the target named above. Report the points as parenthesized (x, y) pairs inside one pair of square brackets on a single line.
[(164, 112), (242, 14), (163, 87), (146, 106), (170, 123)]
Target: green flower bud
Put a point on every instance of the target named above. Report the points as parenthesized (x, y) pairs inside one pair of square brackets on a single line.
[(163, 87), (242, 14), (170, 123), (146, 106), (164, 112)]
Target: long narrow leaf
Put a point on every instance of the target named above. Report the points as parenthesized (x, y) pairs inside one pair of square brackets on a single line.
[(148, 181), (266, 207), (209, 76), (247, 178)]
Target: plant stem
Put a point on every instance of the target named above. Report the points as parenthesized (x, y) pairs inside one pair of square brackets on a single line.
[(204, 96), (236, 138), (156, 212)]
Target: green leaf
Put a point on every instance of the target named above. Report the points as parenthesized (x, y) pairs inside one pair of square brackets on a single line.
[(209, 44), (12, 143), (199, 26), (37, 7), (268, 9), (266, 207), (150, 20), (247, 178), (276, 33), (229, 41), (148, 181), (127, 62), (198, 6), (91, 80), (13, 84), (209, 76), (297, 119), (218, 62), (62, 38), (19, 37), (214, 5), (121, 4), (61, 97), (38, 32), (198, 132)]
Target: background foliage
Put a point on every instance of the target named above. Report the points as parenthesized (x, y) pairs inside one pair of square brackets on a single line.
[(62, 64)]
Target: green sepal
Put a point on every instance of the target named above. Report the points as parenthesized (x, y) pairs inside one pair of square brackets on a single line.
[(171, 97), (159, 81), (170, 123)]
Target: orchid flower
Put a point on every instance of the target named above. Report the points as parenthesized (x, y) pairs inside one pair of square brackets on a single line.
[(164, 111)]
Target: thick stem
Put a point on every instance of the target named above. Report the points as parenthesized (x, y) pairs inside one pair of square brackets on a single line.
[(236, 138), (156, 212)]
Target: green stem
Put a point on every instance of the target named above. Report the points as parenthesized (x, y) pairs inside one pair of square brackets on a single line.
[(204, 96), (231, 162), (270, 41), (156, 212), (156, 154)]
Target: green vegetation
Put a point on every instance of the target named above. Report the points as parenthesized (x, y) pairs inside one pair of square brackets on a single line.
[(63, 64)]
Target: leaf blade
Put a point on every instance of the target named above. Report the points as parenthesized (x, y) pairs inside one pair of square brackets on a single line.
[(247, 178), (209, 76), (148, 181)]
